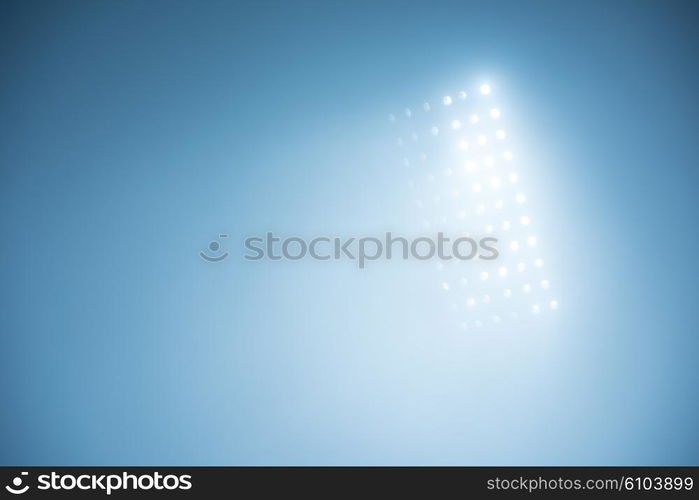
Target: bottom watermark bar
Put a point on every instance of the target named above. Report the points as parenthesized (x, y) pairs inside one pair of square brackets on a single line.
[(327, 482)]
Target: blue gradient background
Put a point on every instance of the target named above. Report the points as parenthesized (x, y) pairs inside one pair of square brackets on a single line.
[(132, 133)]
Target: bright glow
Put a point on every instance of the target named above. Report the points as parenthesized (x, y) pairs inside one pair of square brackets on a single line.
[(499, 204), (514, 246), (477, 188), (536, 309), (508, 155), (520, 198), (488, 161), (524, 220), (445, 286), (456, 124), (545, 284), (470, 302), (489, 229), (500, 134), (463, 144), (480, 210), (482, 140), (486, 299), (462, 95), (502, 272), (434, 130), (527, 288), (495, 182), (470, 166), (474, 119), (446, 100), (513, 177), (484, 275), (507, 293), (521, 267), (506, 225), (495, 113), (539, 263), (485, 89), (531, 241), (553, 305)]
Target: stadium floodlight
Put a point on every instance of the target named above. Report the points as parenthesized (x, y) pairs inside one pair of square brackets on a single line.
[(468, 179)]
